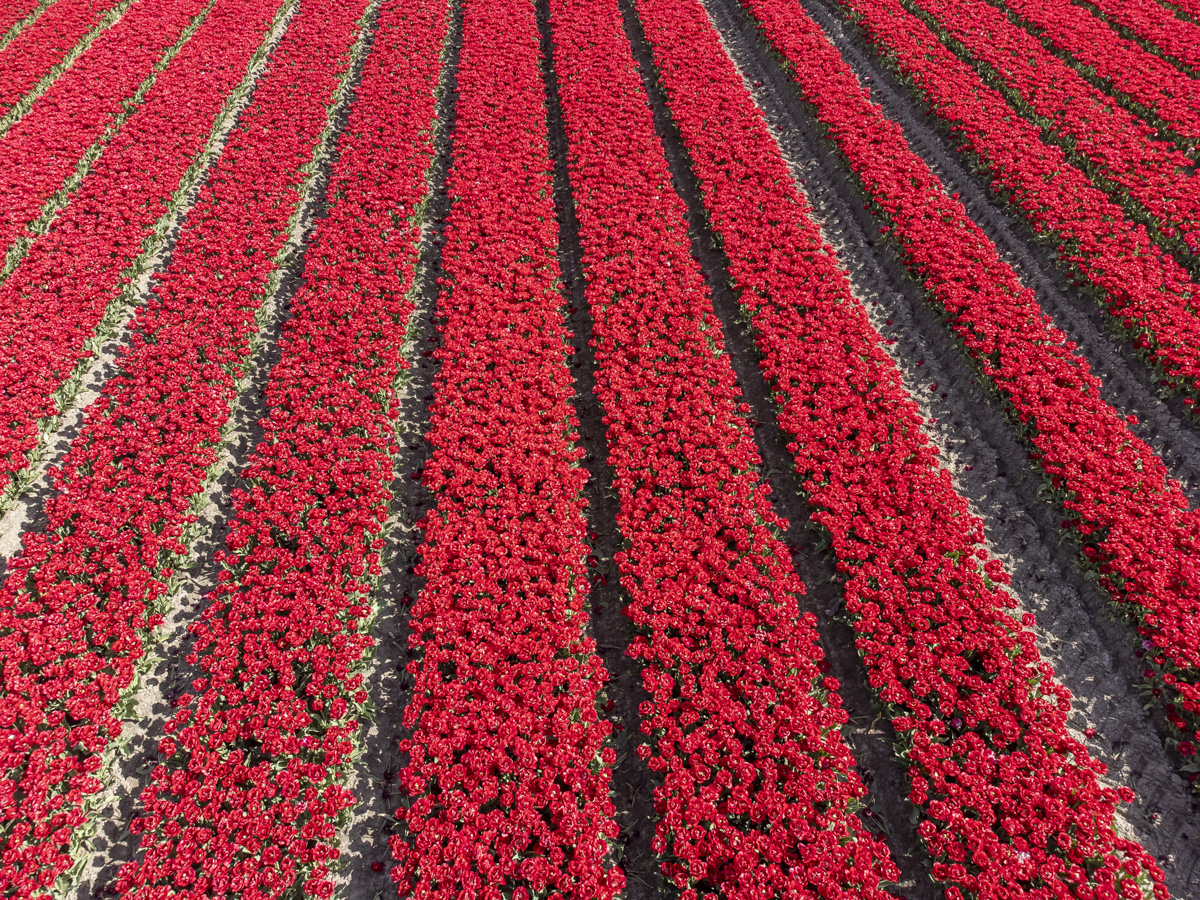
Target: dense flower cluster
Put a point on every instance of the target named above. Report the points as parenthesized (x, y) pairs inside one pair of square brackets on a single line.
[(1142, 286), (1131, 518), (76, 275), (14, 12), (80, 598), (42, 46), (1189, 9), (758, 787), (1174, 37), (1133, 73), (43, 148), (508, 772), (1096, 131), (113, 118), (964, 683), (251, 788)]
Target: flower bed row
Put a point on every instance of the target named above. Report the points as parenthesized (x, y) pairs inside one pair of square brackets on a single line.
[(44, 44), (15, 13), (758, 787), (82, 595), (1189, 8), (1131, 518), (75, 283), (964, 683), (508, 770), (1147, 290), (1120, 150), (249, 791), (42, 149), (1175, 38), (1152, 84)]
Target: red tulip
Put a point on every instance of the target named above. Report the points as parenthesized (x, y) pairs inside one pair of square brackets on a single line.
[(1149, 292), (741, 725), (42, 44), (1142, 77), (84, 594), (1086, 447)]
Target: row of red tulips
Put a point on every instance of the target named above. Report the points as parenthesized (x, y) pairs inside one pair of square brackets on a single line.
[(1189, 9), (758, 788), (1174, 37), (81, 597), (1130, 517), (74, 285), (250, 788), (1120, 65), (1100, 135), (1145, 289), (980, 717), (42, 149), (33, 53), (14, 15), (508, 768)]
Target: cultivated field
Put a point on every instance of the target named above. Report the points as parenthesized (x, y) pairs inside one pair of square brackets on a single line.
[(600, 448)]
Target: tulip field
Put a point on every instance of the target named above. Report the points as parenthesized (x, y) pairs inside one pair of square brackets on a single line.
[(591, 449)]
